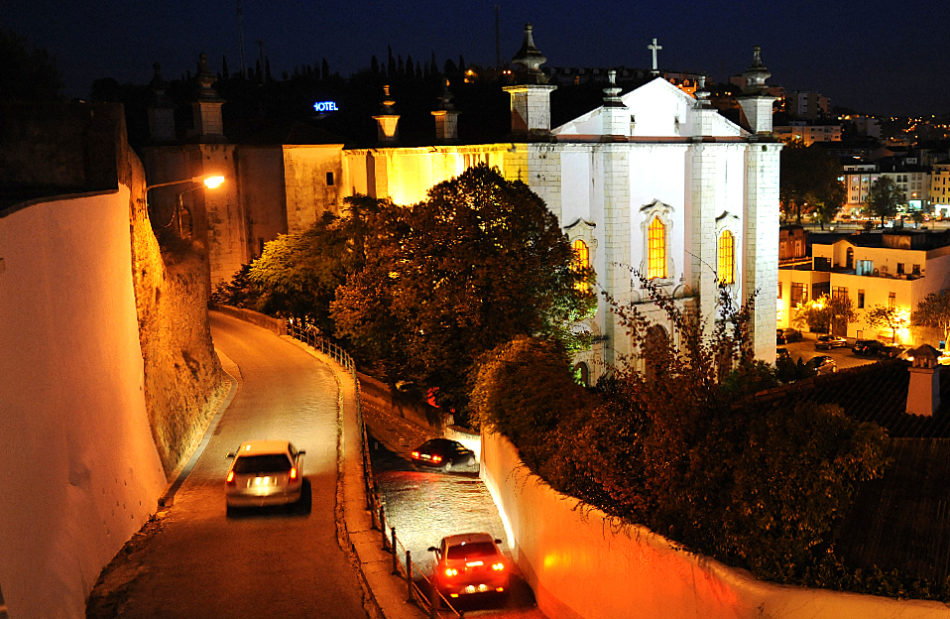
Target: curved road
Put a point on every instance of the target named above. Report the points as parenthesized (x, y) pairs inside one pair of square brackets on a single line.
[(283, 562)]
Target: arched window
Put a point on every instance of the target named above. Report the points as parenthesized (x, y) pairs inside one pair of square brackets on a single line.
[(727, 258), (581, 260), (582, 374), (656, 246), (655, 352)]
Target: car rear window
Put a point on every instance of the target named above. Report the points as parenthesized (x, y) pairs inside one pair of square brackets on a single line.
[(474, 549), (268, 463)]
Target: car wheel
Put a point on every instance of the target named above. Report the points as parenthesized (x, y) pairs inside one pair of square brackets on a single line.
[(448, 467)]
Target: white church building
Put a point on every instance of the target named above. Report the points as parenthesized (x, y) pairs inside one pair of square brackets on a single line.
[(655, 180)]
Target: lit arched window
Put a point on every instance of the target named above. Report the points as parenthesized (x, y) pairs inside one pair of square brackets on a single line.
[(727, 258), (656, 245), (581, 254), (581, 260)]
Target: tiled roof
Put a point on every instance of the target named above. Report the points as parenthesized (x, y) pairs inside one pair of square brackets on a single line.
[(875, 392)]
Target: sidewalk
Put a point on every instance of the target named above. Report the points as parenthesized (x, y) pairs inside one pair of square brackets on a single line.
[(386, 595)]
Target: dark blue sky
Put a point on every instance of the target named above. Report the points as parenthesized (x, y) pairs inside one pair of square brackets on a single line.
[(876, 56)]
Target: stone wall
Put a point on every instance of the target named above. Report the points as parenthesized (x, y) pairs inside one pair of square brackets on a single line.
[(80, 470), (582, 563), (107, 376)]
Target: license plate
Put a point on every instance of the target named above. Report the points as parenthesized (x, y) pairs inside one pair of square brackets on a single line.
[(262, 481)]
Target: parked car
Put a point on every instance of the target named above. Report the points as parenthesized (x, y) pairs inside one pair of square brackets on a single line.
[(268, 472), (784, 336), (867, 348), (874, 348), (444, 454), (827, 342), (822, 364), (470, 563)]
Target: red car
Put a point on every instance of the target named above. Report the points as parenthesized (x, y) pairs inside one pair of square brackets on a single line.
[(470, 564)]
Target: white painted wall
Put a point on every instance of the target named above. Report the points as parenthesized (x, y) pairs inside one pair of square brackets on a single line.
[(80, 473), (581, 564)]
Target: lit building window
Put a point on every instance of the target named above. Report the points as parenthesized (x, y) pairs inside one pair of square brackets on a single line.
[(581, 260), (727, 257), (656, 244)]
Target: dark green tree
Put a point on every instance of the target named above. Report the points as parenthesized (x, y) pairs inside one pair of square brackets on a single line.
[(27, 74), (810, 183), (481, 261), (883, 198)]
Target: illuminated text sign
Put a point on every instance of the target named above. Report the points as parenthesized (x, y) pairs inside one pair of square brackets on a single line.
[(326, 106)]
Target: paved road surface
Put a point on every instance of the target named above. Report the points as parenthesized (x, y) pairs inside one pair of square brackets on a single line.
[(281, 563), (425, 506)]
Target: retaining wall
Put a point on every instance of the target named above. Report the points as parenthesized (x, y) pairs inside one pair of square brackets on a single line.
[(583, 564), (81, 473)]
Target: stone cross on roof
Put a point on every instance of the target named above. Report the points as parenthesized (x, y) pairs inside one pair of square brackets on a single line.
[(653, 47)]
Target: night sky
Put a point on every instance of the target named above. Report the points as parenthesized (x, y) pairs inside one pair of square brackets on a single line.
[(875, 56)]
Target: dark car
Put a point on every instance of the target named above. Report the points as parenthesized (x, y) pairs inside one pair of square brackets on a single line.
[(445, 455), (827, 342), (874, 348), (784, 336), (822, 364)]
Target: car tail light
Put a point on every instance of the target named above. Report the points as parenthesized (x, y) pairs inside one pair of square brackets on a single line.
[(230, 479), (293, 473), (451, 571), (437, 458), (498, 567)]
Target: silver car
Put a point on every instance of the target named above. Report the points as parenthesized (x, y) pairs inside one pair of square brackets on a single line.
[(264, 473)]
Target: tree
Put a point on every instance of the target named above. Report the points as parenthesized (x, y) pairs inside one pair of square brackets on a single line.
[(934, 311), (890, 317), (883, 198), (479, 262), (28, 74), (824, 313), (810, 183)]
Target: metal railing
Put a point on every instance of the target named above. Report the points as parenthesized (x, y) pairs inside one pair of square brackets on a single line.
[(419, 588)]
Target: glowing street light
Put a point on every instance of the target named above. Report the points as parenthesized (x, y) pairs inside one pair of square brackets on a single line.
[(209, 181)]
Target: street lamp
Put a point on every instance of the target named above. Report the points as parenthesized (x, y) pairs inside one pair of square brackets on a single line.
[(209, 181)]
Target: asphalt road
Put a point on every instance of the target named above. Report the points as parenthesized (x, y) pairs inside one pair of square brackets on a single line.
[(424, 506), (197, 562)]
